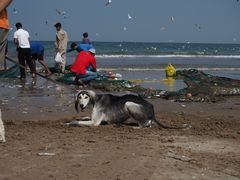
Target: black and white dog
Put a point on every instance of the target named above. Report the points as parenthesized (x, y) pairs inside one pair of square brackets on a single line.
[(116, 109)]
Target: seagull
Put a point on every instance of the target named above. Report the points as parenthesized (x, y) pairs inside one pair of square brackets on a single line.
[(154, 48), (61, 13), (197, 26), (172, 18), (109, 2), (129, 16), (124, 28), (15, 11)]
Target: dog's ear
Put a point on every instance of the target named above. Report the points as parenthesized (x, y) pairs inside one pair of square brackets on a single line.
[(92, 96), (76, 103)]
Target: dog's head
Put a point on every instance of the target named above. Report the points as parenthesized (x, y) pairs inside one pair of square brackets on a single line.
[(83, 98)]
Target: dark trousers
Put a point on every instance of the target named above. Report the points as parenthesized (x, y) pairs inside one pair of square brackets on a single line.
[(3, 48), (24, 55)]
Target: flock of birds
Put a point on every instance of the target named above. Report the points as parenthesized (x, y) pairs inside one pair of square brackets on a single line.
[(108, 3), (172, 18)]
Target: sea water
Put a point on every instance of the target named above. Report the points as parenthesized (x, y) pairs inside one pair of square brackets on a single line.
[(144, 63)]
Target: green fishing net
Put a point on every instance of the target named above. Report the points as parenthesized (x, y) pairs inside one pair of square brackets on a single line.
[(12, 72), (201, 87)]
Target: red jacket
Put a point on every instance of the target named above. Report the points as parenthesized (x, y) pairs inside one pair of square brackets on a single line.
[(82, 62)]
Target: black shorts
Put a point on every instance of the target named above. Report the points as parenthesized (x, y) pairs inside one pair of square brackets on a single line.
[(38, 56)]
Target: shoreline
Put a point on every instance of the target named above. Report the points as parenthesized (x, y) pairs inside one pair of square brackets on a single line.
[(40, 146)]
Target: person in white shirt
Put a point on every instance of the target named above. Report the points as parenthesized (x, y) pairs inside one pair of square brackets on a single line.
[(21, 40)]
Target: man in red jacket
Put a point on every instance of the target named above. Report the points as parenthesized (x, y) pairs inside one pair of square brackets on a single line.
[(85, 66)]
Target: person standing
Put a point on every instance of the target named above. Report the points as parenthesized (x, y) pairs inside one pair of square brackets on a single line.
[(4, 29), (85, 39), (21, 40), (61, 46)]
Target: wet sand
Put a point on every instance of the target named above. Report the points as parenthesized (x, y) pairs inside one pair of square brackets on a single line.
[(40, 146)]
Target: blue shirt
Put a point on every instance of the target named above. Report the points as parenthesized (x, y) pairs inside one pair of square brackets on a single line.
[(81, 47), (36, 49)]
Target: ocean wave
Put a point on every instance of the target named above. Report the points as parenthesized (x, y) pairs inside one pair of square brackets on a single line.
[(106, 56), (162, 69)]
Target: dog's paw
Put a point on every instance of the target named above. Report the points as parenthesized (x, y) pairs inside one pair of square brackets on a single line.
[(86, 118), (72, 123)]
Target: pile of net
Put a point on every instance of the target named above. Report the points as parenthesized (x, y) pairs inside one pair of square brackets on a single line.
[(204, 87), (201, 87)]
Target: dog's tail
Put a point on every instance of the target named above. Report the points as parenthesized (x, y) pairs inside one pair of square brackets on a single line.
[(183, 127)]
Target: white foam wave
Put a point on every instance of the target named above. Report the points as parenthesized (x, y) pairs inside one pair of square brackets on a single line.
[(167, 56), (162, 69)]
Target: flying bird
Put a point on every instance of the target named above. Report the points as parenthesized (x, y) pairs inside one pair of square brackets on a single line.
[(109, 2), (154, 48), (124, 28), (197, 26), (15, 11), (172, 18), (61, 13), (129, 16)]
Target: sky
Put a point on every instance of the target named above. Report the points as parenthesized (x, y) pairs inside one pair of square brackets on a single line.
[(195, 21)]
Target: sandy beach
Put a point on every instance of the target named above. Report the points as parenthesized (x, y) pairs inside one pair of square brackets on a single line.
[(181, 56), (40, 146)]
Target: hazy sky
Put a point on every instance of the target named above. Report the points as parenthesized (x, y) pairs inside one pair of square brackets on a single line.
[(210, 21)]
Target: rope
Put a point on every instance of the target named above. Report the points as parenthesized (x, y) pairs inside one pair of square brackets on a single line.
[(45, 77)]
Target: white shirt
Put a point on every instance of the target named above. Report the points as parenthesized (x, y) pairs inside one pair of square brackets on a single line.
[(23, 38)]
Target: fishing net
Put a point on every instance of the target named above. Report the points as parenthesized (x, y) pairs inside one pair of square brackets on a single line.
[(12, 72), (201, 87), (204, 87)]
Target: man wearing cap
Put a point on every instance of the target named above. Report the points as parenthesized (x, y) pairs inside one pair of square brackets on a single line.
[(85, 66), (61, 45), (4, 29)]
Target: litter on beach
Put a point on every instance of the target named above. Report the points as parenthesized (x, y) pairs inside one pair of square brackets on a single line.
[(46, 154)]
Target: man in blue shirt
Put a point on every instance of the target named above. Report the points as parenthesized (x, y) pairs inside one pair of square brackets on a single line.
[(37, 53), (80, 47)]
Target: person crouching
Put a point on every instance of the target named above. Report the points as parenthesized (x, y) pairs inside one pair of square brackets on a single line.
[(84, 67)]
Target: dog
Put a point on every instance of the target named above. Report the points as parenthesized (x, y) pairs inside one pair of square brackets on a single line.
[(2, 130), (116, 109)]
